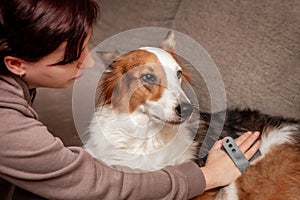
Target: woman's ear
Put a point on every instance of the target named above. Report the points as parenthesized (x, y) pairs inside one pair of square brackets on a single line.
[(15, 65)]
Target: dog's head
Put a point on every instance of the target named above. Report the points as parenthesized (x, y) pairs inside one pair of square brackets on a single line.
[(146, 83)]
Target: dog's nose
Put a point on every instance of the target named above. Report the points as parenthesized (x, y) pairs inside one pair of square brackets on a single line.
[(184, 110)]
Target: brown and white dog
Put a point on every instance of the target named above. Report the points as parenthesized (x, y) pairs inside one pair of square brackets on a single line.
[(143, 121)]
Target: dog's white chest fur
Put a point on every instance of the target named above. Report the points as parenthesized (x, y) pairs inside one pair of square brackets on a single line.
[(120, 140)]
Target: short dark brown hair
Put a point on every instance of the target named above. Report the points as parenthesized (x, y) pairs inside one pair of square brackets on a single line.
[(31, 29)]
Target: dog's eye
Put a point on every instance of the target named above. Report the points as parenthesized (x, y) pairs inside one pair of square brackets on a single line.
[(179, 74), (149, 78)]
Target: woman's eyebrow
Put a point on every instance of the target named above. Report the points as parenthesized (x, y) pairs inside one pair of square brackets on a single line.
[(62, 62)]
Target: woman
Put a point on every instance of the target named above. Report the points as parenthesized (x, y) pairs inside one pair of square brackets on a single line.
[(43, 44)]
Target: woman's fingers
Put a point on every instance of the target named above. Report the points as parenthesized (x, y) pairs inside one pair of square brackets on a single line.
[(256, 160), (246, 140), (241, 139), (252, 150), (246, 143)]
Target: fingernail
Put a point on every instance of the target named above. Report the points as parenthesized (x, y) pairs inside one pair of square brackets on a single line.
[(256, 133)]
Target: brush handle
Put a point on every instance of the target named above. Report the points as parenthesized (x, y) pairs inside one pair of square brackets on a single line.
[(232, 149)]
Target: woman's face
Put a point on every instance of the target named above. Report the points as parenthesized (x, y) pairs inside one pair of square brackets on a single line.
[(43, 73)]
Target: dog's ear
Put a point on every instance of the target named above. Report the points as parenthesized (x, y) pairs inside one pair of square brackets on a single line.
[(108, 58), (169, 43)]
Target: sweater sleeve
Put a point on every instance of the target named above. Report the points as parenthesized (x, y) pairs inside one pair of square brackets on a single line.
[(32, 158)]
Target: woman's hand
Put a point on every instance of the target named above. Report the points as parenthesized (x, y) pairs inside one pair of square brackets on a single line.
[(220, 169)]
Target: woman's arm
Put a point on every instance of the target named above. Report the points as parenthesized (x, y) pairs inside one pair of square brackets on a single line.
[(33, 159)]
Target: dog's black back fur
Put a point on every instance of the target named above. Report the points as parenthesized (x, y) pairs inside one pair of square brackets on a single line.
[(236, 122)]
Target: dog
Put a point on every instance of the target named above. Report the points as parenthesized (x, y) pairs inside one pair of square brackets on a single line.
[(144, 112), (144, 117)]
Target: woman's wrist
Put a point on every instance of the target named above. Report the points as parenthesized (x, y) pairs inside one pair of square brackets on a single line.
[(210, 182)]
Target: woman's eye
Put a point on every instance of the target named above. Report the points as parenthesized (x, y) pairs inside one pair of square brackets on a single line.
[(179, 74), (149, 78), (71, 62)]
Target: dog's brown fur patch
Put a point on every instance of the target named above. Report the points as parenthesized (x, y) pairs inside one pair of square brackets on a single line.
[(125, 81), (276, 177)]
